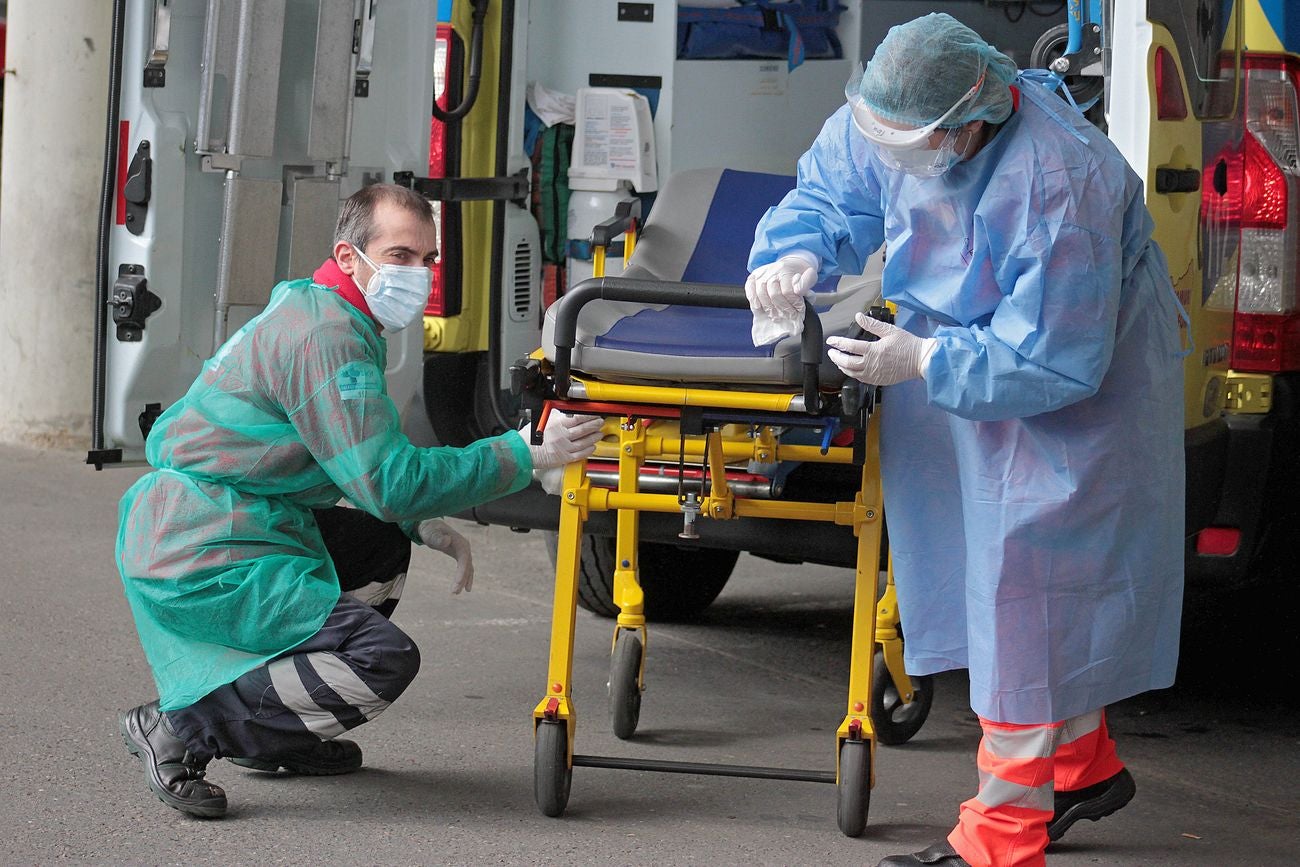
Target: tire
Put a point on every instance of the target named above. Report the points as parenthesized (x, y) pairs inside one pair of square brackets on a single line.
[(551, 772), (895, 723), (854, 788), (1051, 45), (624, 684), (679, 583)]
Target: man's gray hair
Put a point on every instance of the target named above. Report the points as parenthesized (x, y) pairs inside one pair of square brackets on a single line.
[(356, 224)]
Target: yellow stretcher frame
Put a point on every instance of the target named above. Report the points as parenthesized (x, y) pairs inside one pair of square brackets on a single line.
[(874, 621), (637, 444)]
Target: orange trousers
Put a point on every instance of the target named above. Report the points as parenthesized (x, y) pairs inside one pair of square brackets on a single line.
[(1020, 767)]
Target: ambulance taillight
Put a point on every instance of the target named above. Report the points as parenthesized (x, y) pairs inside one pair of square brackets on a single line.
[(444, 297), (1264, 197)]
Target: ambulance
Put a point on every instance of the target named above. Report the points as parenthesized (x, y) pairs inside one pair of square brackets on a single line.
[(236, 127)]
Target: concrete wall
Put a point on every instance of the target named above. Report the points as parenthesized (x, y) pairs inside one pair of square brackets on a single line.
[(51, 159)]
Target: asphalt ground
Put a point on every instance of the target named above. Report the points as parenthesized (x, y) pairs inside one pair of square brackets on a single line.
[(448, 778)]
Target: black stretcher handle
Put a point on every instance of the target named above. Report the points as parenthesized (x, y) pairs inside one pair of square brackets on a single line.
[(664, 292)]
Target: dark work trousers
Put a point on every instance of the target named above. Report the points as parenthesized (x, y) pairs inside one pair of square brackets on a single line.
[(345, 674)]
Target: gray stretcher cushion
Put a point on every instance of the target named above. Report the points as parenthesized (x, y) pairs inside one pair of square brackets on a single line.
[(701, 229)]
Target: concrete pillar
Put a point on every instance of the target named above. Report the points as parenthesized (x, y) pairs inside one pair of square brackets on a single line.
[(55, 100)]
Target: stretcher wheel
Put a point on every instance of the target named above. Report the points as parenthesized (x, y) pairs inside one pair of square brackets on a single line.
[(895, 722), (624, 687), (551, 772), (854, 787)]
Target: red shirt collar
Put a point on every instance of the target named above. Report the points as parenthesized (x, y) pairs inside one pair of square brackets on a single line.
[(331, 275)]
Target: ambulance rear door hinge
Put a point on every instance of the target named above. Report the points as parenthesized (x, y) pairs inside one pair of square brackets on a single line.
[(132, 303), (155, 70), (1248, 392)]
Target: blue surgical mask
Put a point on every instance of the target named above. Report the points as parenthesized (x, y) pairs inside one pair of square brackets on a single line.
[(396, 294)]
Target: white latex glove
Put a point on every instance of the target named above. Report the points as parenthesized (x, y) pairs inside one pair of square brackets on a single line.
[(896, 357), (778, 289), (566, 438), (437, 534)]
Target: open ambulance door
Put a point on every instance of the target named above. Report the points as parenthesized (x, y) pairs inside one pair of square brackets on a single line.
[(1173, 84), (235, 130)]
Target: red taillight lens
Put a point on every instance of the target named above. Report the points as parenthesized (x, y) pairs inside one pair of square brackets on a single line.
[(437, 305), (1265, 343), (1261, 192), (1218, 541), (1263, 196), (1256, 192), (1171, 104)]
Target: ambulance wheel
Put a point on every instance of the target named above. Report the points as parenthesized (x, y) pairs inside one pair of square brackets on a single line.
[(624, 686), (854, 787), (895, 722), (551, 772), (679, 583)]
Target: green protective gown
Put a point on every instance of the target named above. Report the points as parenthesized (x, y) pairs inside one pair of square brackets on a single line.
[(222, 562)]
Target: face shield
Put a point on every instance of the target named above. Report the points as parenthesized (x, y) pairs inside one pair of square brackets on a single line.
[(908, 150)]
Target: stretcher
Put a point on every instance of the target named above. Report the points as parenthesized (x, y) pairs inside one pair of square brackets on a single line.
[(696, 421)]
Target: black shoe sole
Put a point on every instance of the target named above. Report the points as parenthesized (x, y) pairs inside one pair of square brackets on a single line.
[(1095, 808), (295, 769), (142, 751)]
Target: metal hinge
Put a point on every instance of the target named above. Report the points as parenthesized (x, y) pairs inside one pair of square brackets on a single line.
[(132, 303), (155, 70), (1248, 392)]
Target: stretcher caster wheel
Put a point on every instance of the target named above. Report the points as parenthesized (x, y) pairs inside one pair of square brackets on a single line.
[(854, 787), (551, 772), (895, 722), (624, 686)]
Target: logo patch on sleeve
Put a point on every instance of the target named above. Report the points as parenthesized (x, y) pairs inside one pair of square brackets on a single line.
[(358, 381)]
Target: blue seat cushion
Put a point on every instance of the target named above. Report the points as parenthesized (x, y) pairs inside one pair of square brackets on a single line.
[(721, 255)]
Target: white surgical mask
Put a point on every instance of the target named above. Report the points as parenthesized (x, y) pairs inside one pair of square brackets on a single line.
[(396, 294)]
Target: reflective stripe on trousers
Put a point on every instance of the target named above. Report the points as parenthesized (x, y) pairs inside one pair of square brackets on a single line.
[(344, 675), (1020, 766), (341, 677)]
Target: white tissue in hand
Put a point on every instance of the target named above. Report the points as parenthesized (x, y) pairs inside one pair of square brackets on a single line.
[(771, 328)]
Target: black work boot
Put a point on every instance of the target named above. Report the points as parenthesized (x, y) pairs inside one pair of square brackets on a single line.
[(326, 759), (1095, 802), (173, 774), (941, 854)]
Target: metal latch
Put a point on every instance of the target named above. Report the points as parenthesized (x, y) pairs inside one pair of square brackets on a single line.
[(508, 188), (132, 302), (1248, 392), (138, 188)]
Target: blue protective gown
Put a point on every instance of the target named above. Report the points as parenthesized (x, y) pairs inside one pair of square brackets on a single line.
[(1034, 479), (222, 562)]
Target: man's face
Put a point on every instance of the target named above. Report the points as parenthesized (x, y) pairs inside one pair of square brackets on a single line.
[(400, 238)]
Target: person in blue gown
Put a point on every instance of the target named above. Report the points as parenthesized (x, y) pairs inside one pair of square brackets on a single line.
[(1032, 442)]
